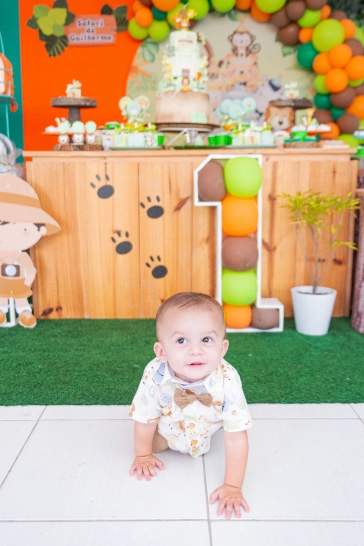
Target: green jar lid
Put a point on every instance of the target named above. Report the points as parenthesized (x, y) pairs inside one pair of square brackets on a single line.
[(360, 151)]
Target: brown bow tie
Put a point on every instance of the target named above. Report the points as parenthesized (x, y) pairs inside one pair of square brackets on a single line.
[(183, 398)]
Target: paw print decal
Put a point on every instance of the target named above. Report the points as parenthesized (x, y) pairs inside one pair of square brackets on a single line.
[(153, 211), (105, 191), (158, 271), (122, 247)]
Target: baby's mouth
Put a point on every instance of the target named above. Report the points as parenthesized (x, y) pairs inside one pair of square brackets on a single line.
[(196, 364)]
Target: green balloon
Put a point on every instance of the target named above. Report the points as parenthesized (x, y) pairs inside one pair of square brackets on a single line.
[(223, 6), (270, 6), (306, 55), (327, 35), (158, 14), (243, 176), (359, 35), (137, 32), (356, 83), (173, 12), (239, 287), (319, 84), (309, 19), (337, 112), (201, 8), (322, 101), (158, 30), (349, 139)]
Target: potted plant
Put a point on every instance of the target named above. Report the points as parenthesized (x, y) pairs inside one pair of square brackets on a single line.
[(318, 218)]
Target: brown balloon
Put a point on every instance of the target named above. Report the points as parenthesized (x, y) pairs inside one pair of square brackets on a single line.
[(295, 10), (344, 98), (348, 123), (265, 319), (323, 116), (279, 18), (359, 90), (211, 185), (239, 253), (289, 34), (147, 3), (338, 14), (316, 4), (355, 45)]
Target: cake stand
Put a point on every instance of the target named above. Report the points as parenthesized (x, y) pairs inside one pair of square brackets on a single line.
[(74, 106), (190, 130)]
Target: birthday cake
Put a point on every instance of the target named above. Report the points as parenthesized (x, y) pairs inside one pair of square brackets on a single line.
[(182, 93)]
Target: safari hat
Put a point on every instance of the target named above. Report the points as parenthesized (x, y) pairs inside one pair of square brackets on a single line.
[(20, 203)]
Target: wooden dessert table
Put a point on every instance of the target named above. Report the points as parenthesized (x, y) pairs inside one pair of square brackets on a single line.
[(131, 236)]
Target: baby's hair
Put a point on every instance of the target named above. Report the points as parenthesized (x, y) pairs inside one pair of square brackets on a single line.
[(189, 300), (3, 223)]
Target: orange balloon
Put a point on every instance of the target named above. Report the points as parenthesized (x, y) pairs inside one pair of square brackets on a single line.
[(165, 5), (340, 55), (243, 4), (357, 107), (137, 6), (237, 316), (239, 216), (349, 28), (144, 17), (333, 133), (336, 80), (325, 13), (321, 63), (355, 68), (258, 14), (305, 35)]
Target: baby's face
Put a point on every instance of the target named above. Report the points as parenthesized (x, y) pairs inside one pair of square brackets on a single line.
[(20, 235), (191, 341)]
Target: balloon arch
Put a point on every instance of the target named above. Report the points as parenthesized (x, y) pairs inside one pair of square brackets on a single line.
[(329, 44)]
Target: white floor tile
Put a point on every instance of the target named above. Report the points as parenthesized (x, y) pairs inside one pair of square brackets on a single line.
[(13, 436), (299, 469), (277, 533), (359, 408), (20, 413), (73, 470), (86, 412), (151, 533), (302, 411)]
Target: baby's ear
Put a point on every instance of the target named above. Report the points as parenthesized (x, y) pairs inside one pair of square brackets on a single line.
[(225, 346), (158, 349)]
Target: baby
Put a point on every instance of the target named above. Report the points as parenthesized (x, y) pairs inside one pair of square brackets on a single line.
[(188, 392)]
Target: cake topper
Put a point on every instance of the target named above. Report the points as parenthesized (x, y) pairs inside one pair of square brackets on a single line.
[(73, 90), (183, 17)]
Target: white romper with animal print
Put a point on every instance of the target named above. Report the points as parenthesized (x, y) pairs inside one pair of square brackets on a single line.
[(189, 430)]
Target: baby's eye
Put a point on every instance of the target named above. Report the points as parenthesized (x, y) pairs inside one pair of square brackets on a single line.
[(207, 339), (181, 340)]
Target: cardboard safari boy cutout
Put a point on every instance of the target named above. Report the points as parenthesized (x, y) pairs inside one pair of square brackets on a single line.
[(22, 224)]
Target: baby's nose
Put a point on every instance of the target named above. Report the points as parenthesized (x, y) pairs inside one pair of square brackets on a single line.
[(196, 349)]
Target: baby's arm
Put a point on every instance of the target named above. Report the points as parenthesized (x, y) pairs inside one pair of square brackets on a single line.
[(144, 461), (236, 458)]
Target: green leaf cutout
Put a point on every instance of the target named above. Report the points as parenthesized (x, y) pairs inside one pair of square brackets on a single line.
[(120, 14), (233, 15), (58, 30), (32, 23), (289, 50), (60, 4), (46, 25), (40, 11), (58, 15), (55, 46), (70, 18), (106, 10)]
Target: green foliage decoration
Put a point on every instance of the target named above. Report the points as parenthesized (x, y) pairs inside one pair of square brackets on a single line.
[(150, 49)]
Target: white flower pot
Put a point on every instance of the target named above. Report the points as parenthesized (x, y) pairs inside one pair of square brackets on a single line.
[(312, 312)]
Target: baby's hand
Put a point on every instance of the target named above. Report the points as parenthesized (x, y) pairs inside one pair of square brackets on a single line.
[(145, 465), (230, 497)]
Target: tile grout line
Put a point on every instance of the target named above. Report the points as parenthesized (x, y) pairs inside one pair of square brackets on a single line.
[(21, 450), (354, 410), (207, 500)]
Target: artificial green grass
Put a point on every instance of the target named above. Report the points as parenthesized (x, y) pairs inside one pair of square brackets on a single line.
[(101, 362)]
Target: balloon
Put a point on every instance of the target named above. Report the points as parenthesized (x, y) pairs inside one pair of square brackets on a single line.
[(325, 12), (280, 18), (158, 14), (306, 55), (144, 17), (359, 35), (323, 116), (270, 6), (340, 55), (336, 80), (239, 253), (137, 32), (223, 6), (349, 28), (239, 287), (165, 5), (338, 14), (334, 132), (264, 319), (237, 317), (305, 35), (337, 113), (319, 85), (355, 67), (316, 4), (357, 107), (147, 3), (343, 99), (159, 30), (243, 176), (359, 90), (258, 14), (349, 139), (348, 123), (137, 6), (239, 216), (327, 34), (309, 19), (243, 5), (201, 8), (289, 35), (211, 184), (355, 46), (174, 12), (295, 10), (356, 83), (322, 101), (321, 64)]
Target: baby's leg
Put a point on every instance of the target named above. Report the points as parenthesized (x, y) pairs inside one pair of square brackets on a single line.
[(159, 443)]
